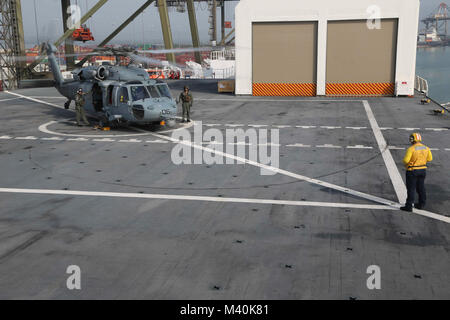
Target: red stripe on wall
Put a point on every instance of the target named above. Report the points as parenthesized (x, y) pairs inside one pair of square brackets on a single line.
[(360, 89), (284, 89)]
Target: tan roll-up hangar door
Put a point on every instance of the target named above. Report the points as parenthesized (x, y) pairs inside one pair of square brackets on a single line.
[(360, 60), (284, 58)]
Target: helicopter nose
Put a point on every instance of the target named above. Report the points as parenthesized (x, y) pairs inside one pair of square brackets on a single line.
[(166, 113), (139, 112)]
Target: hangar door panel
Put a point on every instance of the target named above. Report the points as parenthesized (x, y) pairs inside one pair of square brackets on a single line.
[(284, 58), (361, 61)]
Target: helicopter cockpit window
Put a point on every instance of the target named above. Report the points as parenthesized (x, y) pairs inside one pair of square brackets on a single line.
[(153, 91), (123, 95), (139, 93), (164, 90)]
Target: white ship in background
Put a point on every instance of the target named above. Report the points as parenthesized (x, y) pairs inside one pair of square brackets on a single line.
[(430, 38), (220, 65)]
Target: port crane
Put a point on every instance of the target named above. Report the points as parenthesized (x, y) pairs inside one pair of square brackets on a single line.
[(438, 20)]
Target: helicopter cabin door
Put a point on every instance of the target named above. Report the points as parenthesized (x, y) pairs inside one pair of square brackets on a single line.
[(97, 100), (123, 98), (110, 101)]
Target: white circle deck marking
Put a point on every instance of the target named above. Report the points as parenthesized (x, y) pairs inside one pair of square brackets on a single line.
[(44, 128)]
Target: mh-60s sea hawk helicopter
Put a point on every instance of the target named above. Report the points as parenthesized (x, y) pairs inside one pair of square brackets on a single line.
[(117, 94)]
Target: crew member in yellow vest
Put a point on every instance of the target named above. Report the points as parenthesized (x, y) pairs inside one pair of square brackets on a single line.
[(416, 159)]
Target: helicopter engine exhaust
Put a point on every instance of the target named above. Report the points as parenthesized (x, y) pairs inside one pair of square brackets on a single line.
[(102, 73)]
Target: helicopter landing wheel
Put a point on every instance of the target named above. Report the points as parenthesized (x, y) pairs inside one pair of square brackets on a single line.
[(104, 122), (114, 124), (66, 105)]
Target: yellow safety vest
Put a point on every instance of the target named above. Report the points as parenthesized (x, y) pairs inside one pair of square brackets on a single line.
[(417, 156)]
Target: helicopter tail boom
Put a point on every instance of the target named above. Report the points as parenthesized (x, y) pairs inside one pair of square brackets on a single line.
[(51, 49)]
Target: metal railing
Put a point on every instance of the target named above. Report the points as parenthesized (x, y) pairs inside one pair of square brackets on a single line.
[(421, 85), (226, 54), (226, 73)]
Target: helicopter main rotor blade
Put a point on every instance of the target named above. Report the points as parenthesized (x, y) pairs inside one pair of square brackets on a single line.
[(155, 62), (27, 58), (178, 50)]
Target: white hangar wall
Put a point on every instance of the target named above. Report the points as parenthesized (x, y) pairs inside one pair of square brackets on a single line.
[(321, 32)]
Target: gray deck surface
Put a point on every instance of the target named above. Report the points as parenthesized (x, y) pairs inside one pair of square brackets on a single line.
[(135, 248)]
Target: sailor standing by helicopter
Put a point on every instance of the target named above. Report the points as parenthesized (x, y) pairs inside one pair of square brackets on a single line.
[(79, 107), (187, 100)]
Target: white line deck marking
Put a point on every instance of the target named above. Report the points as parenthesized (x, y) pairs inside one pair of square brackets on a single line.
[(34, 100), (47, 97), (159, 141), (239, 143), (432, 215), (195, 198), (299, 145), (436, 129), (359, 147), (52, 139), (356, 128), (409, 129), (321, 127), (104, 140), (269, 144), (4, 100), (43, 128), (330, 127), (156, 141), (217, 199), (329, 146), (394, 174), (396, 148), (283, 172)]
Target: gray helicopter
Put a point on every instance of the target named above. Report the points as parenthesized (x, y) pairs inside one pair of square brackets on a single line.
[(117, 94)]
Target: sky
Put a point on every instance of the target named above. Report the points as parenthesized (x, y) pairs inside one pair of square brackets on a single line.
[(146, 28)]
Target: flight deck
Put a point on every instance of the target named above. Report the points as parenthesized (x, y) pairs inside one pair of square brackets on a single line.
[(141, 227)]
